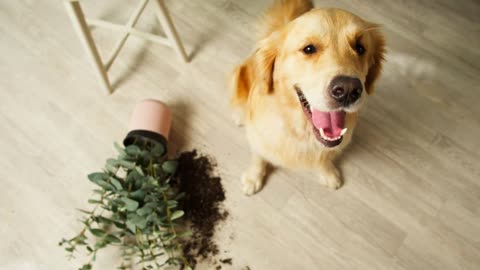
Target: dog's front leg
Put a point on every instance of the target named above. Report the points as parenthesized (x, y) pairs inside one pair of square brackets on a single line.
[(252, 179), (330, 174)]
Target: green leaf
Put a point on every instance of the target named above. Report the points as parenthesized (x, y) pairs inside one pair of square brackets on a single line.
[(81, 243), (80, 238), (104, 185), (131, 226), (170, 166), (164, 188), (139, 221), (116, 183), (177, 214), (138, 195), (84, 211), (111, 169), (158, 150), (112, 162), (180, 196), (119, 225), (153, 204), (113, 239), (97, 232), (144, 211), (119, 148), (97, 176), (155, 219), (99, 179), (94, 201), (130, 204), (104, 220), (126, 164), (101, 244), (142, 224), (86, 267), (170, 238), (144, 154), (172, 204), (139, 170), (70, 249), (132, 150)]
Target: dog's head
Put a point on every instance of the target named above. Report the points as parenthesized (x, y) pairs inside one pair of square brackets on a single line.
[(328, 59)]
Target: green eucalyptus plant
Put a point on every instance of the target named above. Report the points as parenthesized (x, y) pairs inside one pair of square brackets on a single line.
[(136, 208)]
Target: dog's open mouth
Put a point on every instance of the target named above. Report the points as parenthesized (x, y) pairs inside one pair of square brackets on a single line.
[(328, 127)]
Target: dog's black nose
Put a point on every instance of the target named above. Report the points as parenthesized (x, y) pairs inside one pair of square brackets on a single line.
[(345, 90)]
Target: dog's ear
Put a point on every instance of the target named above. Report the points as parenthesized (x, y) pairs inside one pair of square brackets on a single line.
[(264, 57), (377, 58)]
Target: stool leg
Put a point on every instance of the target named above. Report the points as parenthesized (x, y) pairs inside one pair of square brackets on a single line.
[(75, 12), (169, 28)]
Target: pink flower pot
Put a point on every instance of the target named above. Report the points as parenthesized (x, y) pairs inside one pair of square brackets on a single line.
[(151, 120)]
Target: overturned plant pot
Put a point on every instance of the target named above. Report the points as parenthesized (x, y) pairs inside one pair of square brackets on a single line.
[(140, 198), (136, 204), (150, 123)]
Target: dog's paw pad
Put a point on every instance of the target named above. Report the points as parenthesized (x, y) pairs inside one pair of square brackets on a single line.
[(251, 185)]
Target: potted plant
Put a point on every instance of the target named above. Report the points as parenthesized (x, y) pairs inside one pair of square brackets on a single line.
[(135, 205)]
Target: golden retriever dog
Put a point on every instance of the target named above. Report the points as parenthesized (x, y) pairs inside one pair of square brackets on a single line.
[(299, 93)]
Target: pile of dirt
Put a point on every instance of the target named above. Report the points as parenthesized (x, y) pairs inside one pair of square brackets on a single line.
[(202, 204)]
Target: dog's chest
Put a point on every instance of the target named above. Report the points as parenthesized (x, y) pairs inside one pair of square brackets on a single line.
[(284, 144)]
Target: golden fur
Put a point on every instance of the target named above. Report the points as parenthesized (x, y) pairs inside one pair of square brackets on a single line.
[(263, 97)]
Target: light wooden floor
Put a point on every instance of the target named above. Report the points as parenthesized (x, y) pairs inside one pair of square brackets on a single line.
[(412, 193)]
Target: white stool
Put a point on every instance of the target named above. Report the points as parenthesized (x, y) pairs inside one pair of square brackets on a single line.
[(81, 24)]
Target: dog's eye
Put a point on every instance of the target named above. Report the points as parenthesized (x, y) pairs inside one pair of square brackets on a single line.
[(310, 49), (359, 48)]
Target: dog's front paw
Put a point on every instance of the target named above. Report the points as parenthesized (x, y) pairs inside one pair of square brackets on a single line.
[(237, 120), (237, 117), (334, 182), (251, 185), (331, 178)]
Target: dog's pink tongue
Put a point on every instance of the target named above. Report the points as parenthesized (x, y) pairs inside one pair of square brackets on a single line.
[(332, 123)]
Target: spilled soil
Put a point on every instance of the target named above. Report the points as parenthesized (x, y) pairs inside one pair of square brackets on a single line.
[(202, 204)]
